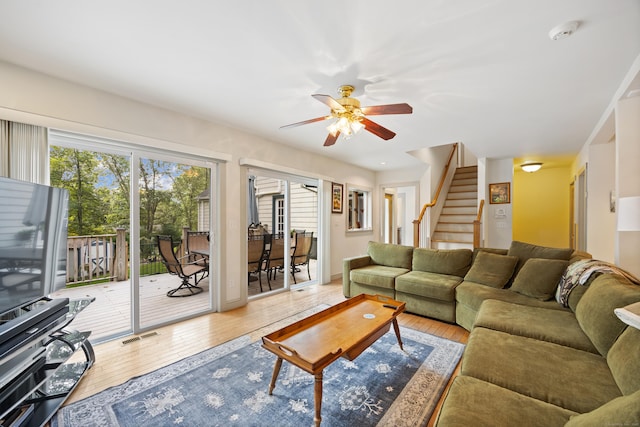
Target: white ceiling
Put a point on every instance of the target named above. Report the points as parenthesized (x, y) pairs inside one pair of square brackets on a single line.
[(481, 72)]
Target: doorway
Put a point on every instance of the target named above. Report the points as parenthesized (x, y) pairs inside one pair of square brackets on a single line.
[(283, 212), (400, 209)]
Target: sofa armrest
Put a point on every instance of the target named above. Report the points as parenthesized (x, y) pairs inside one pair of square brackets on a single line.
[(349, 264)]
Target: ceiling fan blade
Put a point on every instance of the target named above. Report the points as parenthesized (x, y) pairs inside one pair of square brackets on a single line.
[(329, 101), (331, 139), (317, 119), (378, 130), (387, 109)]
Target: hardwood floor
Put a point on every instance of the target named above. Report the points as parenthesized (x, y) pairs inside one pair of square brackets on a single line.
[(117, 362)]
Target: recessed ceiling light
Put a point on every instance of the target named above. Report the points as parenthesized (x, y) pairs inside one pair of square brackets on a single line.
[(563, 31), (383, 163)]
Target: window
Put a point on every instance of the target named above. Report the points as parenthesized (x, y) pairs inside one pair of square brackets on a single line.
[(358, 208)]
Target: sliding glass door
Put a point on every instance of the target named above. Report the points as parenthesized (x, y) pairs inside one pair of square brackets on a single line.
[(98, 181), (283, 216), (123, 202), (173, 279)]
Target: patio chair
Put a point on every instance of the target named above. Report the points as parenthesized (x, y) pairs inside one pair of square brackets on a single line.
[(256, 258), (301, 253), (198, 247), (275, 260), (182, 268)]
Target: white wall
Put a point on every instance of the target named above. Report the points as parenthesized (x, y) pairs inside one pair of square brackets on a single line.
[(498, 229), (601, 222), (38, 99), (628, 177)]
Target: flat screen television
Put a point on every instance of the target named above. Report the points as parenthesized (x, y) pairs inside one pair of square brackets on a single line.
[(33, 241)]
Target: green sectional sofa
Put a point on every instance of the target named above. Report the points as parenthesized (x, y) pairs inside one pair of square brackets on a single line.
[(539, 353), (425, 279), (528, 365)]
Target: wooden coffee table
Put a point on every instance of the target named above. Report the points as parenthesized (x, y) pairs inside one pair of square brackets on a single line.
[(344, 330)]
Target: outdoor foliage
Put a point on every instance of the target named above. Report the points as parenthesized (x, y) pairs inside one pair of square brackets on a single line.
[(99, 190)]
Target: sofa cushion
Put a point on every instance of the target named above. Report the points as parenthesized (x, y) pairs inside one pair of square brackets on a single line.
[(454, 262), (595, 309), (474, 294), (622, 411), (524, 251), (539, 278), (390, 255), (492, 269), (497, 251), (380, 276), (624, 362), (471, 401), (573, 379), (557, 326), (430, 285)]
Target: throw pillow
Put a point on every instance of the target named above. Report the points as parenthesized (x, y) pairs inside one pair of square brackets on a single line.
[(390, 255), (524, 251), (492, 269), (538, 278), (454, 262)]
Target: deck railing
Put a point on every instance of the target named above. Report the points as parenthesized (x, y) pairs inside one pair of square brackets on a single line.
[(97, 257), (105, 257)]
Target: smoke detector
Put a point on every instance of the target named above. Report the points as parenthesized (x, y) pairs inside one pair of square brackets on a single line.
[(563, 31)]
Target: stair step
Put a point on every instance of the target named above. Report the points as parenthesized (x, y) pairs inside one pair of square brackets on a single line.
[(450, 245), (465, 177), (450, 237), (459, 210), (464, 172), (462, 188), (464, 181), (468, 203), (468, 195), (468, 168), (459, 218), (454, 227)]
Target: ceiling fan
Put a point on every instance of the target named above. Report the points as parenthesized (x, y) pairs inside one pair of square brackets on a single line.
[(351, 118)]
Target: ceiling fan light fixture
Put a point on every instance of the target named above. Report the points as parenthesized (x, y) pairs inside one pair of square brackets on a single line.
[(346, 126), (333, 128), (356, 126), (531, 167), (349, 118)]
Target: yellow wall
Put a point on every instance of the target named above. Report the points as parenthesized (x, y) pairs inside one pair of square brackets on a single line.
[(541, 202)]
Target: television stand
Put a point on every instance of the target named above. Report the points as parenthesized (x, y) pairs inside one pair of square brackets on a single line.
[(41, 375)]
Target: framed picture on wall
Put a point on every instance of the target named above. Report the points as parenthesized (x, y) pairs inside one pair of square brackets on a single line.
[(500, 193), (336, 197)]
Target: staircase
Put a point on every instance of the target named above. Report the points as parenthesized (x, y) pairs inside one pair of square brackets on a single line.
[(455, 225)]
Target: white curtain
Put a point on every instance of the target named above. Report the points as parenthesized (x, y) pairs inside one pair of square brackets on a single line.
[(23, 152), (4, 148)]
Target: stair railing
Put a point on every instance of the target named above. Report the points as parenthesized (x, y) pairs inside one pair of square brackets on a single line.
[(418, 224), (477, 229)]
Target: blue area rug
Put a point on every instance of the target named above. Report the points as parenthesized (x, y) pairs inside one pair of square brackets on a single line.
[(228, 386)]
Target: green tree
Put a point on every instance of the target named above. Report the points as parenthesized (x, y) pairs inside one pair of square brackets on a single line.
[(78, 171), (153, 177), (118, 169), (187, 186)]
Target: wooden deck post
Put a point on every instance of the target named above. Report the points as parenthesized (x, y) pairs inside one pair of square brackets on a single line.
[(121, 262)]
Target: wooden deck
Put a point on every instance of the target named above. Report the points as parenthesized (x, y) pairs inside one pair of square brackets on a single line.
[(110, 313)]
